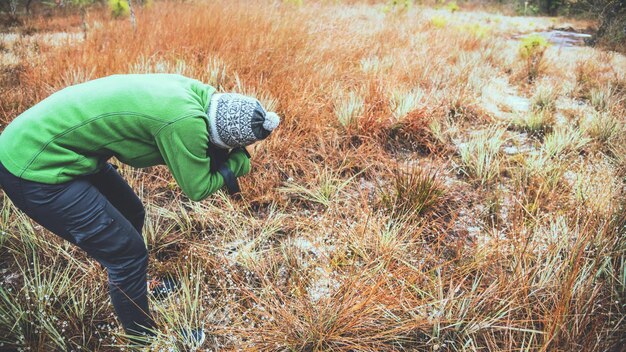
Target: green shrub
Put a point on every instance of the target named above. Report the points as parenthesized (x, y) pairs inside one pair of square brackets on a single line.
[(294, 2), (399, 6), (532, 49), (533, 45), (438, 21), (452, 6), (119, 8)]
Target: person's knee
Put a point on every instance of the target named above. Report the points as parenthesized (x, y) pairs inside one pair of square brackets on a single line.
[(137, 262), (122, 251), (130, 275)]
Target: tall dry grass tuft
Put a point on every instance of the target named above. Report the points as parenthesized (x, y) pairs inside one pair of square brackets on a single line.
[(355, 317), (414, 191)]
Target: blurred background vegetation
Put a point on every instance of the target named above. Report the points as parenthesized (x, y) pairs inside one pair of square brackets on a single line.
[(610, 14)]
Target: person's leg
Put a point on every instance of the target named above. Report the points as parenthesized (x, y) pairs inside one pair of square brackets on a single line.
[(79, 213), (109, 182)]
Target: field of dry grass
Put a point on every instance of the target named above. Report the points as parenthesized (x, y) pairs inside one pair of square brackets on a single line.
[(433, 186)]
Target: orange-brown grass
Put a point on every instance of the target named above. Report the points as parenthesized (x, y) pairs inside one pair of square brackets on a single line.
[(516, 243)]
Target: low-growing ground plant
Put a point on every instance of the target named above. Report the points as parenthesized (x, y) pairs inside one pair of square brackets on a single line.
[(539, 181), (48, 297), (349, 109), (588, 73), (595, 188), (544, 98), (328, 187), (179, 313), (374, 64), (544, 169), (563, 141), (601, 98), (480, 155), (603, 127), (443, 131), (536, 122), (413, 191), (403, 102)]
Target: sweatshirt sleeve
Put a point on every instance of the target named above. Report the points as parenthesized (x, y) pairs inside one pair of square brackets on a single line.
[(183, 146)]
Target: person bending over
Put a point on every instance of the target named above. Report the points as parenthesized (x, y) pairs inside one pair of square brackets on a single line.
[(53, 164)]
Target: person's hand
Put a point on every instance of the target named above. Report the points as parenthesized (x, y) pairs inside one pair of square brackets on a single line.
[(238, 162)]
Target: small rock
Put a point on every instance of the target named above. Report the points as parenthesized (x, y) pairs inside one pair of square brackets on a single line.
[(512, 150)]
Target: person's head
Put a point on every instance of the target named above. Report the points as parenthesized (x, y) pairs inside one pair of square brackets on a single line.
[(236, 120)]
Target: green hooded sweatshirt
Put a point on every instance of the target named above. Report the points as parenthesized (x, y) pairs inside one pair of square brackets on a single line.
[(142, 120)]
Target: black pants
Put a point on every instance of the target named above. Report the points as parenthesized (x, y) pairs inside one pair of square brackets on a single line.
[(102, 215)]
